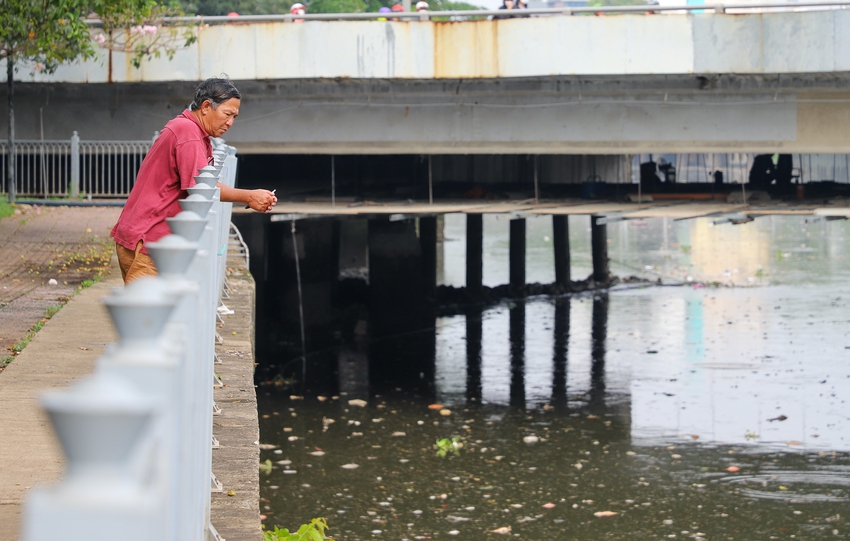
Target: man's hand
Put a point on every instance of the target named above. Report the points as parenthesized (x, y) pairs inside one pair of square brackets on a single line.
[(261, 200)]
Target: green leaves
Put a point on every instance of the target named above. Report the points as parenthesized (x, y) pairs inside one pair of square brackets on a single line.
[(445, 446), (312, 531)]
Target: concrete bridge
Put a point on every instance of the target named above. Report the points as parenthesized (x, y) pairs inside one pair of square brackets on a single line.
[(613, 84)]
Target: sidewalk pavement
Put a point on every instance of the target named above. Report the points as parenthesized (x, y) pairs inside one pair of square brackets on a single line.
[(64, 350), (67, 244)]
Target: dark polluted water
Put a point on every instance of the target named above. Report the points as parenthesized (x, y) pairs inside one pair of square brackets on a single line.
[(661, 412)]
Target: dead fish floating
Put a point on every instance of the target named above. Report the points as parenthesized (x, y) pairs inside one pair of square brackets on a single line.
[(350, 466), (602, 514), (504, 530), (357, 402)]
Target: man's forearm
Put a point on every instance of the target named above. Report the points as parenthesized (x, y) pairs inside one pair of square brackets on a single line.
[(259, 199), (233, 195)]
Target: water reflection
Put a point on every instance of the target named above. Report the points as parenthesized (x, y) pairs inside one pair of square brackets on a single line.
[(716, 413)]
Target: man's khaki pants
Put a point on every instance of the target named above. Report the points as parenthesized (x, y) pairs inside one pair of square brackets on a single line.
[(134, 264)]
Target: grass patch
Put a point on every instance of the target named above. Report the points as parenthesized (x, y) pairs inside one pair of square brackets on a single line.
[(24, 342), (6, 209)]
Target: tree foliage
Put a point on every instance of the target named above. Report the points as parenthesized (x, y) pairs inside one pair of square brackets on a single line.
[(49, 32)]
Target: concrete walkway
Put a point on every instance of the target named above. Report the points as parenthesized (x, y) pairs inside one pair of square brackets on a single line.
[(64, 350), (66, 244)]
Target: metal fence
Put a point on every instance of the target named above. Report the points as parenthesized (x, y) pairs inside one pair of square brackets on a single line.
[(74, 168), (756, 6), (137, 434)]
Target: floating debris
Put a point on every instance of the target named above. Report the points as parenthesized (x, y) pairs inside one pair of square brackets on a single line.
[(435, 406), (733, 469), (267, 446), (445, 412)]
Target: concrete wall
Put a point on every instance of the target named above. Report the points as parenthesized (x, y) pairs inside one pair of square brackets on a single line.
[(769, 82), (810, 42)]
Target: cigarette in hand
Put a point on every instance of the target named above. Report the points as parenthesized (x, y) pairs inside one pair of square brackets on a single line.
[(249, 206)]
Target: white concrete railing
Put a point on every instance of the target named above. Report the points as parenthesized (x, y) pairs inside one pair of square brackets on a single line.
[(269, 48), (137, 434)]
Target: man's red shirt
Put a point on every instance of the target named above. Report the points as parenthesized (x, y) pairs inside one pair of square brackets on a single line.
[(169, 168)]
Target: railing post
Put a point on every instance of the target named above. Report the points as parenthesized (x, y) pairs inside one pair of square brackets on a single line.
[(74, 190)]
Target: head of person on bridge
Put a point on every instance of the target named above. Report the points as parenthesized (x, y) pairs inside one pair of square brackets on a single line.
[(216, 105), (422, 6)]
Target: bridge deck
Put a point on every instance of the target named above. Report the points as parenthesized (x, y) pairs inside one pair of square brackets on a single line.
[(677, 210)]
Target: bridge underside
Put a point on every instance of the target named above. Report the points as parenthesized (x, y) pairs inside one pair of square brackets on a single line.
[(807, 113)]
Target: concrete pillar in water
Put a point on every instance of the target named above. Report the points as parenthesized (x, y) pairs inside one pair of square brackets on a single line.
[(561, 242), (517, 253), (517, 340), (474, 251), (560, 353), (428, 243), (398, 307), (598, 333), (599, 250), (473, 355)]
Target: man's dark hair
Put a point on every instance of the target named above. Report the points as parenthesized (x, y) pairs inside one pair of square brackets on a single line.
[(216, 90)]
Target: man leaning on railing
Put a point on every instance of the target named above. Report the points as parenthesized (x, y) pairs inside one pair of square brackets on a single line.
[(168, 171)]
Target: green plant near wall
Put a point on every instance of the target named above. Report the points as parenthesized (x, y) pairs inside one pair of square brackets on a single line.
[(312, 531)]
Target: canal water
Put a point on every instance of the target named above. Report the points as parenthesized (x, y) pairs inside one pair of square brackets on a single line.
[(711, 406)]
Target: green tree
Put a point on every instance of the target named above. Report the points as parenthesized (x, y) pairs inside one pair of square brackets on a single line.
[(45, 33)]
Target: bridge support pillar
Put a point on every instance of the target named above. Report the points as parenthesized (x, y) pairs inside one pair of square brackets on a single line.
[(517, 253), (474, 251), (428, 242), (561, 241), (599, 249)]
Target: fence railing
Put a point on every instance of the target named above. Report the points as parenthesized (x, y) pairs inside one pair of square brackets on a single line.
[(70, 168), (137, 434), (473, 14)]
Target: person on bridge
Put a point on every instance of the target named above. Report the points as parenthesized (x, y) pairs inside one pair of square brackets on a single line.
[(298, 9), (168, 170)]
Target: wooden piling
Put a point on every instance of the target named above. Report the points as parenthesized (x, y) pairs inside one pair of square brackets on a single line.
[(474, 251), (561, 241), (428, 242), (599, 249), (517, 253)]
